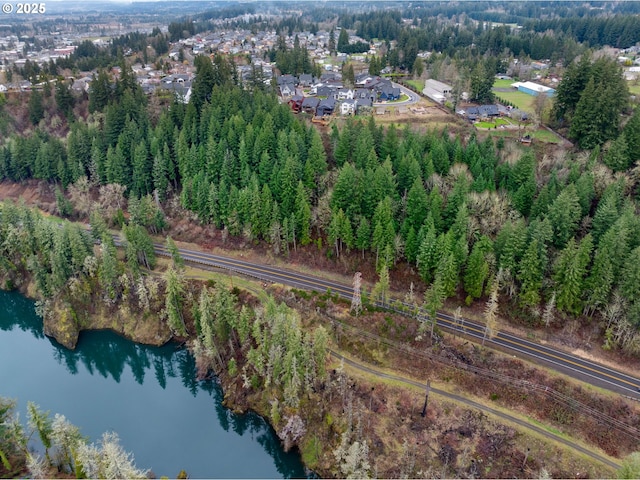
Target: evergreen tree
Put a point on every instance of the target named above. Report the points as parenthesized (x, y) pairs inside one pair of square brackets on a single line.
[(570, 89), (482, 83), (204, 82), (427, 254), (101, 92), (159, 176), (417, 205), (617, 157), (564, 215), (108, 268), (363, 235), (302, 215), (343, 40), (174, 300), (477, 271), (64, 98), (569, 274), (142, 180), (36, 107), (632, 136)]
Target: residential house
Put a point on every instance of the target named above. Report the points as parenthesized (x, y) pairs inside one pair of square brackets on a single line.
[(296, 103), (3, 88), (310, 104), (287, 79), (519, 115), (362, 78), (488, 111), (182, 90), (324, 91), (287, 90), (329, 77), (306, 80), (364, 106), (471, 113), (345, 94), (348, 107), (361, 93), (389, 93), (539, 65), (326, 107)]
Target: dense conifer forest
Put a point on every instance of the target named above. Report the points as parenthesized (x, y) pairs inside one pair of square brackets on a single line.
[(556, 234)]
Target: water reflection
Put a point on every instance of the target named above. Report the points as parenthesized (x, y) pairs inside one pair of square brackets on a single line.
[(105, 354), (11, 315)]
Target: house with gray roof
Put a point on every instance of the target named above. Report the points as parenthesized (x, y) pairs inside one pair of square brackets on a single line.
[(310, 104), (306, 80), (326, 107)]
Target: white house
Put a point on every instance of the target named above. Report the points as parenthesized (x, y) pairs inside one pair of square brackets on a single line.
[(348, 107), (3, 88), (345, 94)]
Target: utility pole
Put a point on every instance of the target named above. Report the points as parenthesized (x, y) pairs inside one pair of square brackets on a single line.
[(426, 399)]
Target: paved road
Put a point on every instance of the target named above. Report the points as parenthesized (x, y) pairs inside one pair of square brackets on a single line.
[(459, 398), (569, 364)]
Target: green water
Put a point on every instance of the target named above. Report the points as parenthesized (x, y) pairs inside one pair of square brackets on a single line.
[(148, 395)]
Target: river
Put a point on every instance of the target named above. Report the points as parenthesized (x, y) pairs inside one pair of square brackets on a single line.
[(149, 396)]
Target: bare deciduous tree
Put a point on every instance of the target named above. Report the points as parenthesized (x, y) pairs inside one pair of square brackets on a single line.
[(80, 195), (112, 199), (356, 301)]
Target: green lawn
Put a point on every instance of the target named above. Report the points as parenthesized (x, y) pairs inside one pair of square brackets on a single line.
[(521, 100), (546, 136), (498, 121), (634, 89), (403, 98), (502, 83), (418, 85)]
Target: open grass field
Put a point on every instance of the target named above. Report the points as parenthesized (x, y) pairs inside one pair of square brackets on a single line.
[(521, 100), (502, 83), (634, 89), (417, 84), (546, 136)]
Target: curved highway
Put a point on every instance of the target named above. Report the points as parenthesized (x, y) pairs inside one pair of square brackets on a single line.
[(569, 364)]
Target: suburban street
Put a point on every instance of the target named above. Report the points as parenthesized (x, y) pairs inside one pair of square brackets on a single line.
[(574, 366)]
